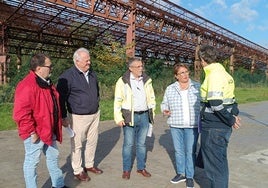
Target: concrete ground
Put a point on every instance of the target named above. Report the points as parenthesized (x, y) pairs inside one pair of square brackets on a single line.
[(247, 153)]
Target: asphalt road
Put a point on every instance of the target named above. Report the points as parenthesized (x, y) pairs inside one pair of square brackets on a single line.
[(247, 153)]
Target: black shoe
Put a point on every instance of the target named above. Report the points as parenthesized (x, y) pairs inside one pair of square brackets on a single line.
[(189, 183), (178, 178)]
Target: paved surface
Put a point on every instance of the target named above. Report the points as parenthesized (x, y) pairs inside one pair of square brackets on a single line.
[(248, 157)]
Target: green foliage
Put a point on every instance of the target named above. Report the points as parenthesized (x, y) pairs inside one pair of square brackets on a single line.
[(154, 67), (163, 79), (14, 75), (59, 66), (243, 78), (6, 122), (107, 109), (109, 62)]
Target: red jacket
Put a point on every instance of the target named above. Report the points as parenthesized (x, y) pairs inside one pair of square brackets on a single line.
[(33, 110)]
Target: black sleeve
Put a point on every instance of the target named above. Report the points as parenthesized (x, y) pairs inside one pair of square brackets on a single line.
[(221, 112), (62, 88)]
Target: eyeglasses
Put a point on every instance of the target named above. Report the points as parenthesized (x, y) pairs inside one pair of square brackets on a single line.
[(50, 66), (140, 66), (185, 72)]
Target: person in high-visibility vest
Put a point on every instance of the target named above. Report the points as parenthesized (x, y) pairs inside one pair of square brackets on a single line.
[(219, 114), (134, 106)]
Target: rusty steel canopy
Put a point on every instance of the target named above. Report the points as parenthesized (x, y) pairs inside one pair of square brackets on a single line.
[(159, 28)]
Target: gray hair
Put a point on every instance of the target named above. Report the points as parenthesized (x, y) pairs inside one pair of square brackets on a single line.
[(76, 55), (132, 60)]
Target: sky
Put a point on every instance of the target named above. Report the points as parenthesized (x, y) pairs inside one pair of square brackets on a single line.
[(247, 18)]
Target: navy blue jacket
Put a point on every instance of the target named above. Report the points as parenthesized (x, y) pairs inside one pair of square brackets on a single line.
[(79, 96)]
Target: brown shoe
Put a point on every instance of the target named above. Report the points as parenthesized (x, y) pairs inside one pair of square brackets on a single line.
[(82, 176), (126, 175), (94, 170), (144, 173)]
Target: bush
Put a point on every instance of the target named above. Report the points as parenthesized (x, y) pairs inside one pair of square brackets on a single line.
[(162, 76), (108, 74), (243, 78)]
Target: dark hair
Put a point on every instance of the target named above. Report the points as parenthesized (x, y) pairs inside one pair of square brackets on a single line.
[(133, 59), (208, 53), (177, 66), (38, 60)]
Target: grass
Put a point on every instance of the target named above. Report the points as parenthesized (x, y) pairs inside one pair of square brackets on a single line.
[(247, 95), (6, 122), (243, 95)]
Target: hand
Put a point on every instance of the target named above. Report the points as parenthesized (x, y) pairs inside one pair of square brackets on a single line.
[(166, 112), (65, 122), (237, 123), (34, 137), (121, 124)]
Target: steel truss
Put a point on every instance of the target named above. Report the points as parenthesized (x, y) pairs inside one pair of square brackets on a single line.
[(149, 28)]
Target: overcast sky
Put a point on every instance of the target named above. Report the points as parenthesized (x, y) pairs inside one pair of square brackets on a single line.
[(247, 18)]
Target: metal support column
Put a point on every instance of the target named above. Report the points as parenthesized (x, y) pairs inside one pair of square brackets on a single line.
[(130, 38), (231, 66), (252, 68), (197, 63), (3, 55)]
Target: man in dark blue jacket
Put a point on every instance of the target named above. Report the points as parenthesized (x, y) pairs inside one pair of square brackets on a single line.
[(79, 95)]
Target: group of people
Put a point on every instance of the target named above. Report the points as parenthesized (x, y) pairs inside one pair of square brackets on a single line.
[(41, 109)]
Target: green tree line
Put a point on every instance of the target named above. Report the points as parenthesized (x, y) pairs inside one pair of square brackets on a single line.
[(109, 62)]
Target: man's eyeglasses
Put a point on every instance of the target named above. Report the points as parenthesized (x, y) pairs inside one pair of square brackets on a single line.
[(181, 73), (50, 66), (140, 66)]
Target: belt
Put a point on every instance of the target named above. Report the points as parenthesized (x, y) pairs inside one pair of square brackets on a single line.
[(140, 112)]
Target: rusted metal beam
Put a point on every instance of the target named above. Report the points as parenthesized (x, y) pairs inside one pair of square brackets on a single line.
[(157, 27)]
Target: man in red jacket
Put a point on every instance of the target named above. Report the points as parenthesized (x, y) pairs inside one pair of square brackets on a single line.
[(37, 114)]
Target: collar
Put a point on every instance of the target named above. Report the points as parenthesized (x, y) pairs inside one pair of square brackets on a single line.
[(43, 83), (133, 78), (213, 67), (81, 72)]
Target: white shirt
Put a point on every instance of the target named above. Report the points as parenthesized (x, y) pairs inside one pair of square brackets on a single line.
[(139, 96), (84, 73), (185, 107)]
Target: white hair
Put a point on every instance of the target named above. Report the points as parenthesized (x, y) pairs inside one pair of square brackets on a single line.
[(76, 55)]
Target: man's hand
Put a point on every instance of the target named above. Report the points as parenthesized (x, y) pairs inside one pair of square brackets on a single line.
[(34, 137), (237, 123), (65, 122), (121, 124)]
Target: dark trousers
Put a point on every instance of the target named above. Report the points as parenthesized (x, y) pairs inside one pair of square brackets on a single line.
[(214, 143)]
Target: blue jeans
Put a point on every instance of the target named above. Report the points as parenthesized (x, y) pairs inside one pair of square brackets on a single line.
[(135, 134), (32, 158), (214, 142), (184, 141)]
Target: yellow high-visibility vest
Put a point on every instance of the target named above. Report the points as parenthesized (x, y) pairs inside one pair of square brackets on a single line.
[(218, 84)]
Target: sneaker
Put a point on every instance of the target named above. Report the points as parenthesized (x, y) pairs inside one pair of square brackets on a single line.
[(189, 183), (178, 178)]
